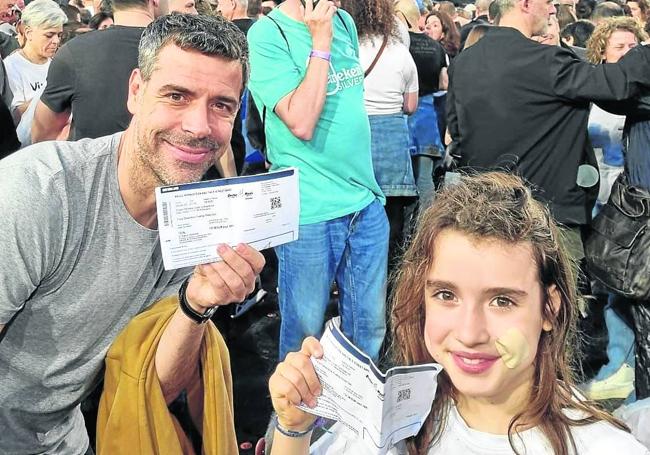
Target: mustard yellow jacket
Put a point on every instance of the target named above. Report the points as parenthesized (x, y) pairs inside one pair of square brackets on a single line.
[(133, 417)]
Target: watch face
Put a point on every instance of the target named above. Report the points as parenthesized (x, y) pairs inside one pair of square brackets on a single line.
[(208, 314)]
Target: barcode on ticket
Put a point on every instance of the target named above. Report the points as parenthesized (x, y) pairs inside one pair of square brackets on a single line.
[(276, 203), (165, 210), (403, 395)]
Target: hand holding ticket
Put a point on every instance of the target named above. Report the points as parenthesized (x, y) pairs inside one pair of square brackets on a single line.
[(195, 218), (228, 281), (380, 409)]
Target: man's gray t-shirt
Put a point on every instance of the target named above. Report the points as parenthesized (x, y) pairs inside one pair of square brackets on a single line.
[(76, 268)]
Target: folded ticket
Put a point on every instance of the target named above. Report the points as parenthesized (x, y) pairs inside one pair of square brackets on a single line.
[(194, 218), (379, 409)]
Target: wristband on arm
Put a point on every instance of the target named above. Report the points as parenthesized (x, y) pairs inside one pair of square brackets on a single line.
[(292, 433), (320, 54)]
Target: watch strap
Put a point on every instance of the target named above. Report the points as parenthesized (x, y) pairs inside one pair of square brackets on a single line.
[(188, 310)]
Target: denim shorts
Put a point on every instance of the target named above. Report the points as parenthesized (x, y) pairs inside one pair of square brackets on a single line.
[(423, 127), (391, 159)]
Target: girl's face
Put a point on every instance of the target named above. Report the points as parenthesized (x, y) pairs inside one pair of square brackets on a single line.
[(484, 315), (44, 41), (619, 44), (433, 28)]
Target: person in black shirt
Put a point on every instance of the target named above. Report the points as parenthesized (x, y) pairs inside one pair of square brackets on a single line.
[(519, 105), (89, 75)]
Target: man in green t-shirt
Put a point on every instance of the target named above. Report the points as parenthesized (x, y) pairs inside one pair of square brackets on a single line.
[(307, 80)]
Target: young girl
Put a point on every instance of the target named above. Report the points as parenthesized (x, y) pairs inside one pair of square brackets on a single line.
[(487, 291)]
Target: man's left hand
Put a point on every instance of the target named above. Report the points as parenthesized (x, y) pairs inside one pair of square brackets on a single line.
[(228, 281)]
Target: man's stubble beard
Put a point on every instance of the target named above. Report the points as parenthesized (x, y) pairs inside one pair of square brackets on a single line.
[(150, 170)]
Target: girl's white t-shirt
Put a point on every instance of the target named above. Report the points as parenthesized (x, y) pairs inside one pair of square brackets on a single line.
[(600, 438)]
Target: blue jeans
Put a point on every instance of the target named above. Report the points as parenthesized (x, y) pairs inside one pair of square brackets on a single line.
[(426, 147), (353, 250)]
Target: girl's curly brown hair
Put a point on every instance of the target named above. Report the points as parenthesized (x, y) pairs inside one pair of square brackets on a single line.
[(372, 17), (598, 41)]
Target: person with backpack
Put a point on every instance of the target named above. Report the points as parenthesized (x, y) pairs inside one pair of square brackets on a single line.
[(307, 81)]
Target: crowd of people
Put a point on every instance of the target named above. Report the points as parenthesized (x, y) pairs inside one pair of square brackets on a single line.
[(454, 160)]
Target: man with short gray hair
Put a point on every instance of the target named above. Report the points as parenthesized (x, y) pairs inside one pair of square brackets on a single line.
[(83, 255)]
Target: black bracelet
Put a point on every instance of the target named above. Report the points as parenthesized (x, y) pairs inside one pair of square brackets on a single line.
[(293, 433), (188, 310)]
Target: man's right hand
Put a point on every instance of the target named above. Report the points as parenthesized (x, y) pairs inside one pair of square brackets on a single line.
[(295, 382), (319, 22)]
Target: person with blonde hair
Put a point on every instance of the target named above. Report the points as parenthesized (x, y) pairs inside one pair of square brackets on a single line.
[(27, 68), (487, 290), (613, 38)]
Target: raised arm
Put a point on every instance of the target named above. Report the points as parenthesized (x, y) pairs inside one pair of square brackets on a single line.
[(293, 382), (576, 80), (301, 109)]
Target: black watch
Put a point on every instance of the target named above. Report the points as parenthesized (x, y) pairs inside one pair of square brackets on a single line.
[(188, 310)]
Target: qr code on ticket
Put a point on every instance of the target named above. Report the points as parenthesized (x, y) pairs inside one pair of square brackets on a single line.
[(403, 395), (276, 203)]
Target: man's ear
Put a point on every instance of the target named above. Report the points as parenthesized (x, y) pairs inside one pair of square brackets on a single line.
[(553, 306), (136, 87)]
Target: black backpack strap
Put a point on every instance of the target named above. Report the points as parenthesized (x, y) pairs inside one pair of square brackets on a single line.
[(284, 36), (343, 22), (281, 31)]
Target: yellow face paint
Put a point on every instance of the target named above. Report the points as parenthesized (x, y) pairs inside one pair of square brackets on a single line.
[(513, 348)]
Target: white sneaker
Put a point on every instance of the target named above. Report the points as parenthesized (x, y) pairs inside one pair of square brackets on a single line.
[(618, 385)]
